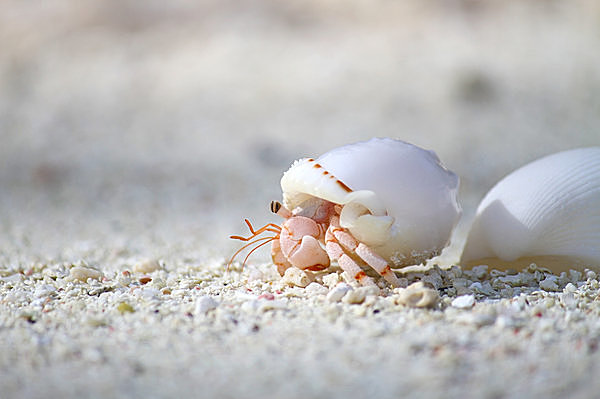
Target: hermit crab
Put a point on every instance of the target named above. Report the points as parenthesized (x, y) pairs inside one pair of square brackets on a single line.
[(546, 212), (382, 203)]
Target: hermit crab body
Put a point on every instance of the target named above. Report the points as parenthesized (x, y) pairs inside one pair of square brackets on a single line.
[(384, 203)]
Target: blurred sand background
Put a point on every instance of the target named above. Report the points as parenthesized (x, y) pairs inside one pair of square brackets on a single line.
[(177, 119), (151, 128)]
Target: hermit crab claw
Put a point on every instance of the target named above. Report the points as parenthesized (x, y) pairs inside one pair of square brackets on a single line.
[(365, 215)]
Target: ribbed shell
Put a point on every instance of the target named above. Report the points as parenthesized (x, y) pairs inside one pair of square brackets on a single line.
[(389, 177), (548, 208)]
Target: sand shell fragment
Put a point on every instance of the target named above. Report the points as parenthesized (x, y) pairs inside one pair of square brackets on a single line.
[(82, 273), (146, 266), (417, 295)]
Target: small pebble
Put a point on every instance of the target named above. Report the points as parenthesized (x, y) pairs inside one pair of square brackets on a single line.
[(255, 275), (99, 290), (464, 302), (434, 279), (157, 282), (44, 291), (268, 296), (204, 304), (180, 292), (316, 289), (146, 293), (95, 321), (82, 273), (402, 282), (295, 277), (568, 300), (480, 271), (476, 319), (548, 302), (570, 288), (590, 274), (146, 266), (124, 307), (417, 295), (537, 310), (506, 321), (124, 279), (145, 279), (355, 296), (15, 297), (513, 280), (264, 306), (550, 283), (337, 293), (249, 306), (14, 278), (575, 275), (480, 288), (331, 280)]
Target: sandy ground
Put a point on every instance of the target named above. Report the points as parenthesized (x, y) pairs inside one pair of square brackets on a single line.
[(135, 131)]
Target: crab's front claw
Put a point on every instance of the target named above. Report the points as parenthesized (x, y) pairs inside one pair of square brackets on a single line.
[(309, 255), (365, 220)]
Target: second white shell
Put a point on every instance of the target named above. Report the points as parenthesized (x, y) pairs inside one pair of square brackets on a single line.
[(547, 212), (397, 198)]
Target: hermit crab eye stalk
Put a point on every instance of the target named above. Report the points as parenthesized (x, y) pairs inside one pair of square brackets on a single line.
[(278, 209), (275, 206)]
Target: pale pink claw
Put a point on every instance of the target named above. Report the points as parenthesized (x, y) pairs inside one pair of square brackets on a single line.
[(300, 246), (309, 255)]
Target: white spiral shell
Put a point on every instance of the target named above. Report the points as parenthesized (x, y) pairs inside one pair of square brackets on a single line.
[(547, 212), (397, 198)]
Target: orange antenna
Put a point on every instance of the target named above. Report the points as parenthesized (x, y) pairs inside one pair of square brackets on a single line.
[(270, 227)]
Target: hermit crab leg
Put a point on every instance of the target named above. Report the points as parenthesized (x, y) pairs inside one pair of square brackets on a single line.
[(273, 228), (266, 241), (336, 252), (270, 227), (375, 261)]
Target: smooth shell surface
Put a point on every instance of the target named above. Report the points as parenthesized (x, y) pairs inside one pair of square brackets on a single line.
[(397, 197), (547, 212)]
